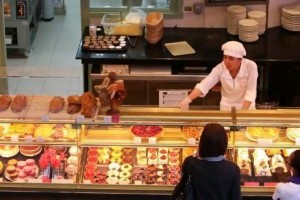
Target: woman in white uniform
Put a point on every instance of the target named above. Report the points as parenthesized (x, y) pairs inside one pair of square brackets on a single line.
[(238, 77), (291, 189)]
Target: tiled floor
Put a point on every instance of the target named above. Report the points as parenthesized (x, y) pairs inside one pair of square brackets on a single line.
[(52, 68)]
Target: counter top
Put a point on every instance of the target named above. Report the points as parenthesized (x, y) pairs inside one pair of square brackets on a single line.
[(276, 44)]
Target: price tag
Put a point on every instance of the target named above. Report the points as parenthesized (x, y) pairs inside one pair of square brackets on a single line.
[(33, 180), (45, 118), (137, 140), (297, 141), (1, 180), (251, 184), (19, 181), (64, 181), (14, 138), (264, 142), (152, 140), (87, 181), (138, 182), (28, 138), (40, 139), (107, 119), (273, 184), (192, 141), (80, 118)]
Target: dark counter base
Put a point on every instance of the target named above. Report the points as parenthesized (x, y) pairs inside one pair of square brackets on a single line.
[(80, 196)]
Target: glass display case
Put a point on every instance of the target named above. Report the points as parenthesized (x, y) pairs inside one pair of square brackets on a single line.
[(140, 150)]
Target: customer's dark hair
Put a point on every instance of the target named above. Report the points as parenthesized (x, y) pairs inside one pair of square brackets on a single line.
[(295, 161), (213, 141)]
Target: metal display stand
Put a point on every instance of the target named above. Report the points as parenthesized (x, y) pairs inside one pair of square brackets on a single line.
[(22, 23)]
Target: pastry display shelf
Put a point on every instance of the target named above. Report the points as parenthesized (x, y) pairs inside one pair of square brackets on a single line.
[(99, 133)]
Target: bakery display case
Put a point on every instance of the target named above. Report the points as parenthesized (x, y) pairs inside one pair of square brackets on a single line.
[(139, 151)]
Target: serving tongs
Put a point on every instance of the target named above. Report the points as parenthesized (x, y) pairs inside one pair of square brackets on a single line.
[(132, 41)]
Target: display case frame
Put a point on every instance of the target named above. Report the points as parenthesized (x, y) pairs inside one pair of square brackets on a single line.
[(169, 117)]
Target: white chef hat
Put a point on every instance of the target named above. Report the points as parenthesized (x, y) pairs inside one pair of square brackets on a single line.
[(234, 49)]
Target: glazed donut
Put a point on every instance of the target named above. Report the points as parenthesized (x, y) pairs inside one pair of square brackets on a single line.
[(174, 150), (116, 148), (116, 160), (116, 154), (112, 180), (127, 154), (150, 180), (114, 166), (124, 181), (112, 173), (126, 167), (125, 174), (151, 174), (128, 160), (127, 149), (151, 167)]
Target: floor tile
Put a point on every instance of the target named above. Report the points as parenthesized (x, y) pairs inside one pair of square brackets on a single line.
[(30, 86)]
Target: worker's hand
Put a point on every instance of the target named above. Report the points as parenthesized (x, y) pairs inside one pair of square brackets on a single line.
[(184, 103)]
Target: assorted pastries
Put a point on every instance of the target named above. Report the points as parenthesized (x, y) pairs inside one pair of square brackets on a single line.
[(255, 133)]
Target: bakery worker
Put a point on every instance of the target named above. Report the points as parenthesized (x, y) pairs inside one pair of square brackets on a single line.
[(238, 77), (291, 189)]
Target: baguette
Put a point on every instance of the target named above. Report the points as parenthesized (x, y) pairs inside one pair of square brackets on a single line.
[(5, 102)]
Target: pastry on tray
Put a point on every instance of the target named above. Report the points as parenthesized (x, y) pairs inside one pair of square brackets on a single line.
[(145, 131)]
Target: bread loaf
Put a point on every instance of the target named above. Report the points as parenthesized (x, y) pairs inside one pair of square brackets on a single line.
[(5, 102), (57, 104), (18, 103), (89, 105), (74, 104)]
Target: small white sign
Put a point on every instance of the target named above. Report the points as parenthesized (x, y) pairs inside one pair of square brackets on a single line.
[(152, 140), (33, 180), (40, 139), (138, 182), (137, 140), (45, 118), (171, 98), (297, 141), (14, 138), (87, 182), (28, 138), (80, 118), (1, 180), (64, 181), (192, 141), (107, 118), (264, 142)]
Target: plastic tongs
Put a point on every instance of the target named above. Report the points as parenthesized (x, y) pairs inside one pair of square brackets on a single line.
[(132, 41)]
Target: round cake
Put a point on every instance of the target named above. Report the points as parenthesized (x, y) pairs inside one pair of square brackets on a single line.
[(30, 150)]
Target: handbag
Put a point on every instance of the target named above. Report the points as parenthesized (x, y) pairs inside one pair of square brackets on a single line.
[(188, 191)]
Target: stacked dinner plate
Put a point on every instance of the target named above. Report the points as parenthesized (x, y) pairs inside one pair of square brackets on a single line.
[(248, 30), (234, 14), (260, 17), (290, 17)]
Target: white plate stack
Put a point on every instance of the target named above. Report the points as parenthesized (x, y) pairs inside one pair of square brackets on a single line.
[(248, 30), (234, 14), (290, 17), (261, 18)]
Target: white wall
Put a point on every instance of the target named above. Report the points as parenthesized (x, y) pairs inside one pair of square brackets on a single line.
[(216, 16)]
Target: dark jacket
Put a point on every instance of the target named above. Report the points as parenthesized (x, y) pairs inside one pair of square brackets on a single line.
[(213, 180)]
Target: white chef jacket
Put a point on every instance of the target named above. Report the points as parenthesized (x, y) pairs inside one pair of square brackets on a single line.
[(287, 191), (234, 91)]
